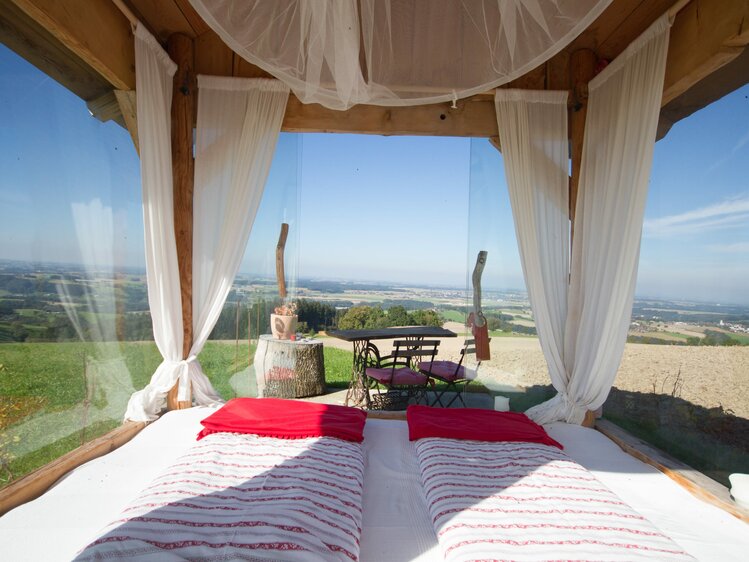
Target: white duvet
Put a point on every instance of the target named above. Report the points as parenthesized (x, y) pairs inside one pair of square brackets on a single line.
[(244, 497), (526, 501)]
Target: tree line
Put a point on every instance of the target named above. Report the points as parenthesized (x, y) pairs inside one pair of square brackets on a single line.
[(374, 317)]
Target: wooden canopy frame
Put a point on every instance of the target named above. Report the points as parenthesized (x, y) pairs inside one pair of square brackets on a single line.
[(88, 46)]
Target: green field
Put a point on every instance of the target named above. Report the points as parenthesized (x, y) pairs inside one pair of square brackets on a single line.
[(677, 335), (453, 315), (501, 334), (56, 396), (743, 339)]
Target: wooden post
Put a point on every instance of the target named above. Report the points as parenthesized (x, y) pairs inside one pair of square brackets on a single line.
[(181, 50), (280, 274), (582, 69)]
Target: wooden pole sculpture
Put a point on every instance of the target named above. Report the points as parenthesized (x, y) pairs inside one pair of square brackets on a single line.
[(280, 275), (480, 328)]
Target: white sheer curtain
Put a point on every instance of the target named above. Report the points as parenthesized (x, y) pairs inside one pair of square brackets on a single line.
[(533, 135), (239, 121), (238, 125), (623, 108), (396, 52), (153, 74)]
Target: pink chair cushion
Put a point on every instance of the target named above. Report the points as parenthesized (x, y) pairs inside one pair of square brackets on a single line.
[(402, 377), (447, 370)]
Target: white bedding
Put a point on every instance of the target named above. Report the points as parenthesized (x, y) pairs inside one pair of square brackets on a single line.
[(528, 501), (243, 497), (396, 525)]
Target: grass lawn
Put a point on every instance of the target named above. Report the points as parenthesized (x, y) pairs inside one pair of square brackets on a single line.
[(72, 392), (700, 451), (54, 397), (338, 366), (453, 315), (678, 335), (501, 334), (742, 338)]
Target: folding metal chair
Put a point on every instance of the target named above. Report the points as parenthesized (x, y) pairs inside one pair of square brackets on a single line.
[(396, 377), (455, 375)]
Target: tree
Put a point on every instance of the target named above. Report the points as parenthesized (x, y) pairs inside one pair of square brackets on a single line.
[(316, 315), (362, 318), (398, 316), (427, 318)]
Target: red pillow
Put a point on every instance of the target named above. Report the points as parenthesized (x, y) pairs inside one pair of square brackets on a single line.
[(475, 425), (286, 419)]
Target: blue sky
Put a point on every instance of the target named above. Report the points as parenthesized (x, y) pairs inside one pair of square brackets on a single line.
[(403, 209)]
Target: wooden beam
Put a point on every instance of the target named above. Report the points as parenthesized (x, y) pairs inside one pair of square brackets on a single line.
[(35, 484), (192, 16), (31, 41), (694, 481), (128, 109), (212, 56), (641, 16), (474, 117), (163, 18), (106, 108), (706, 35), (722, 82), (181, 50), (97, 32), (558, 72), (582, 69), (590, 419)]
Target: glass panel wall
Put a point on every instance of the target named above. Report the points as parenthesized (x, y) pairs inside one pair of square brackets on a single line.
[(684, 380), (75, 332), (227, 357), (517, 369)]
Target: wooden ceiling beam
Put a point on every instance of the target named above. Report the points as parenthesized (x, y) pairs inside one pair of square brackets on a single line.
[(97, 32), (472, 118), (26, 37), (162, 17), (129, 111), (106, 108), (706, 35)]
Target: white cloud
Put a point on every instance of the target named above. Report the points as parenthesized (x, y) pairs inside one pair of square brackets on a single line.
[(735, 248), (730, 213), (16, 197), (738, 146)]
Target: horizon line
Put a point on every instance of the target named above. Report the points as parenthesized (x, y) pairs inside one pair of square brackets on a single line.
[(379, 282)]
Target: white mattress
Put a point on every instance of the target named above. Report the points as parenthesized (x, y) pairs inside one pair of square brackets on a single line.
[(396, 525)]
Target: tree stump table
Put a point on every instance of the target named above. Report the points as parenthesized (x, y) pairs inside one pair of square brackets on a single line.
[(289, 369)]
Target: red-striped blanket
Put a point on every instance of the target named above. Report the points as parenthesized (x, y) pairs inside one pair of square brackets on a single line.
[(244, 497), (527, 501)]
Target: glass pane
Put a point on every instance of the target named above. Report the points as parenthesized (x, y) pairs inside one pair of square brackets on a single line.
[(75, 331), (517, 369), (228, 355), (684, 380)]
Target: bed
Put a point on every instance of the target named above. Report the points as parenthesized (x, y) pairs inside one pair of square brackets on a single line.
[(396, 524), (498, 487)]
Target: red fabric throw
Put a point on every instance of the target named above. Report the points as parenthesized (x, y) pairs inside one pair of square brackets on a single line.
[(286, 419), (474, 424)]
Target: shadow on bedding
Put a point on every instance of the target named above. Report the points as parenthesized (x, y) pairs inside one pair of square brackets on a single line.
[(231, 497), (505, 500)]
